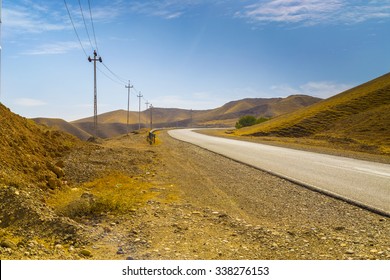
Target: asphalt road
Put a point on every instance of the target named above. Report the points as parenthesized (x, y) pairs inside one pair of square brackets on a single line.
[(364, 183)]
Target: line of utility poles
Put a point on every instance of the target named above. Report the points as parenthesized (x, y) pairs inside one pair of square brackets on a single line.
[(139, 110), (95, 121), (128, 104)]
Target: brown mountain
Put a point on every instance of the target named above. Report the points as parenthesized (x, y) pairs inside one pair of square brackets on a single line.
[(63, 125), (115, 123)]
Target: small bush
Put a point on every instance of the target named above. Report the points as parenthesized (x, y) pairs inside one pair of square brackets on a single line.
[(249, 121)]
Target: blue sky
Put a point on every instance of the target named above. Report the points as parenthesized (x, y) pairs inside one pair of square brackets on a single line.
[(186, 54)]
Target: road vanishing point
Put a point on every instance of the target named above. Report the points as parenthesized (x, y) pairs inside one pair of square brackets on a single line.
[(362, 183)]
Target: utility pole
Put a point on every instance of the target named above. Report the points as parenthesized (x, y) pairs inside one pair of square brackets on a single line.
[(139, 110), (151, 116), (147, 104), (95, 122), (191, 118), (128, 104)]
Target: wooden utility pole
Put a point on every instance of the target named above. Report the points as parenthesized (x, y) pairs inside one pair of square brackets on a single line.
[(95, 121), (151, 116), (128, 105), (147, 104), (139, 110)]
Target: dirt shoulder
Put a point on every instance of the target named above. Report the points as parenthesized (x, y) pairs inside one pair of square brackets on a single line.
[(178, 201)]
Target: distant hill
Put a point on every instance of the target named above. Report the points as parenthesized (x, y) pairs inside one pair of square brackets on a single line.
[(115, 123), (229, 113), (63, 125), (360, 115)]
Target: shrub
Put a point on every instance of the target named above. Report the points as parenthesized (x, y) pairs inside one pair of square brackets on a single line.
[(245, 121), (249, 121)]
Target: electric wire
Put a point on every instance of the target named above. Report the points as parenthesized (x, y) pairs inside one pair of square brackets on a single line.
[(116, 78), (74, 28), (115, 75), (85, 24), (108, 77), (93, 26)]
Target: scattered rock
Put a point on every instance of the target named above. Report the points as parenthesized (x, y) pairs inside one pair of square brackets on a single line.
[(86, 253), (120, 251), (6, 243)]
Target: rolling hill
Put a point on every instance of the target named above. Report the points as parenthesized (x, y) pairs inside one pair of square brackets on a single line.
[(115, 123), (359, 116), (63, 125)]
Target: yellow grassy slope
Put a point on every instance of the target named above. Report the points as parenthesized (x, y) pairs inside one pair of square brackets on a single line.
[(361, 115)]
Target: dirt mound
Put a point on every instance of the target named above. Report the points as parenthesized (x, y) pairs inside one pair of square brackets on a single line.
[(29, 153), (31, 168)]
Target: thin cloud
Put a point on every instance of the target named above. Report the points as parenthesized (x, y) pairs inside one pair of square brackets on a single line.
[(55, 48), (19, 19), (313, 12), (166, 9), (29, 102)]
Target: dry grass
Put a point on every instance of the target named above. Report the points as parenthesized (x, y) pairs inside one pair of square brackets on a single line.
[(114, 194)]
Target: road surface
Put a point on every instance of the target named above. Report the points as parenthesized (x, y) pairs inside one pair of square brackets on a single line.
[(364, 183)]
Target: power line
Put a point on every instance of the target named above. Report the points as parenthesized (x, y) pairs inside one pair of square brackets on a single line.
[(85, 24), (108, 77), (115, 75), (93, 26), (74, 28)]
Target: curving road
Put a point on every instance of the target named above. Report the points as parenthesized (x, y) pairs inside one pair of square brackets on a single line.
[(364, 183)]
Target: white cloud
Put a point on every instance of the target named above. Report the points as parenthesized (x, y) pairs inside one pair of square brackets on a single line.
[(322, 89), (55, 48), (19, 19), (312, 12), (29, 102), (167, 9)]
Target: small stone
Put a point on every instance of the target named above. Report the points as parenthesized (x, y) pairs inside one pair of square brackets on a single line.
[(86, 253), (7, 244), (339, 228), (373, 251), (130, 258), (350, 252), (120, 251), (58, 247)]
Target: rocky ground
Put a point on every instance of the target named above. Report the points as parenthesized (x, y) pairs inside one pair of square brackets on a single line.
[(189, 204)]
